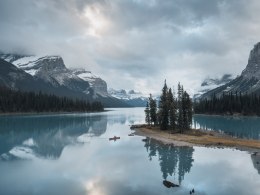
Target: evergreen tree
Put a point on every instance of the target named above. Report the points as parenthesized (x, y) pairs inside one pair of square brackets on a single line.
[(172, 113), (187, 111), (153, 110), (147, 114), (172, 110), (163, 108), (180, 108), (190, 111)]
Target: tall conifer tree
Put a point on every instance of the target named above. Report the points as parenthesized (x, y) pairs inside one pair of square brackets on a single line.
[(172, 110), (163, 108), (180, 108), (153, 110), (147, 114)]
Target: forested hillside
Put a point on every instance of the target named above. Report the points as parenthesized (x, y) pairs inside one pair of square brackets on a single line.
[(248, 104), (17, 101)]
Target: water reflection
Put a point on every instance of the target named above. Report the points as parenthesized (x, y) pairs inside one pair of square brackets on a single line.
[(256, 161), (45, 136), (242, 127), (174, 161), (113, 168)]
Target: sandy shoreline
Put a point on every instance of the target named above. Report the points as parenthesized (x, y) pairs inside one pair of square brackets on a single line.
[(198, 138)]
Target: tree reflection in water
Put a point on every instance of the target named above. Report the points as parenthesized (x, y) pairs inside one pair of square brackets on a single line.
[(256, 161), (174, 161)]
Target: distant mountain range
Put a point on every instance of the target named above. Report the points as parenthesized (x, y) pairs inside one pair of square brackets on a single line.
[(248, 82), (49, 74), (131, 97)]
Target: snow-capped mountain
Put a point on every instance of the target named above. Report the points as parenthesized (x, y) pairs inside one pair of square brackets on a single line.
[(59, 80), (247, 82), (131, 97), (96, 83), (15, 78), (53, 70), (210, 83)]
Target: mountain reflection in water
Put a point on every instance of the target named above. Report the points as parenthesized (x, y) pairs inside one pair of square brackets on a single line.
[(47, 135)]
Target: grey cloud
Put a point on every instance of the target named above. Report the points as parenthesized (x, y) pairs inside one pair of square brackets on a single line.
[(145, 39)]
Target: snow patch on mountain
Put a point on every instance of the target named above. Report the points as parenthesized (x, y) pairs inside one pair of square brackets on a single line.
[(99, 85), (131, 97), (127, 95)]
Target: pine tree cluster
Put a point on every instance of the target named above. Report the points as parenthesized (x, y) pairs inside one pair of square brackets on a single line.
[(17, 101), (172, 113), (229, 103)]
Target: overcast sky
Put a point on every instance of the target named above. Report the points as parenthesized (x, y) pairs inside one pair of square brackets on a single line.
[(136, 44)]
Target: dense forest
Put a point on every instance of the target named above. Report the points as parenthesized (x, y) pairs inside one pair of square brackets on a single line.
[(229, 103), (17, 101), (172, 113)]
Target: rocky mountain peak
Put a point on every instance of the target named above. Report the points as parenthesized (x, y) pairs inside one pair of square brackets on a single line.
[(248, 82), (253, 66), (50, 63), (99, 85)]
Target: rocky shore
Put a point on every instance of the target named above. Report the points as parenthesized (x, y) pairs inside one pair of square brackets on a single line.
[(195, 137)]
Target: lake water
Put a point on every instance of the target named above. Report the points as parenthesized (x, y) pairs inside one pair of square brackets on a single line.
[(236, 126), (71, 155)]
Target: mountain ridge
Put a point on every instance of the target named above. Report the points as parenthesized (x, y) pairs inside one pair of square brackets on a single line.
[(131, 97), (51, 72), (247, 82)]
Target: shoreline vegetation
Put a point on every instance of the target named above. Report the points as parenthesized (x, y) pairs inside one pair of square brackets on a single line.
[(170, 122), (229, 104), (195, 137), (13, 101)]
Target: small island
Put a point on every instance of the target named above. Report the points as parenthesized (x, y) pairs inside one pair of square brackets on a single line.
[(170, 122), (195, 137)]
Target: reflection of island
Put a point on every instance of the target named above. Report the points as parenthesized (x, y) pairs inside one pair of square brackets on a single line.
[(256, 161), (173, 160), (47, 135), (242, 127)]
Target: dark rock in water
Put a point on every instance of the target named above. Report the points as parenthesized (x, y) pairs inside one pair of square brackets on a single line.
[(169, 184), (145, 140)]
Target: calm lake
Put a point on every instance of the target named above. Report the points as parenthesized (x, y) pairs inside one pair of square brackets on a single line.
[(70, 154)]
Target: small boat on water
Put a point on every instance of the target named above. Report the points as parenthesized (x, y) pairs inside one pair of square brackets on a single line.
[(114, 138), (131, 134)]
